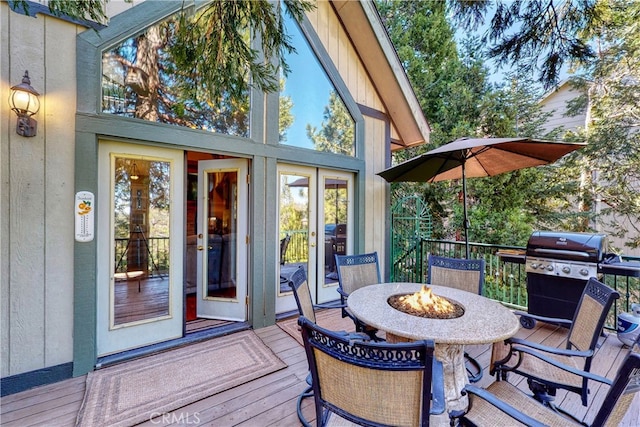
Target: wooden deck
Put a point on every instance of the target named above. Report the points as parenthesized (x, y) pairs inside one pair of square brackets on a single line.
[(271, 400)]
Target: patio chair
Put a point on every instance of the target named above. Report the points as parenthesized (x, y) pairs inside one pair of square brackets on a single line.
[(355, 272), (504, 404), (549, 368), (463, 274), (302, 294), (284, 244), (370, 383), (306, 308)]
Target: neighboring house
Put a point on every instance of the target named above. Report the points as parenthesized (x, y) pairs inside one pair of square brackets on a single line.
[(555, 102), (123, 218)]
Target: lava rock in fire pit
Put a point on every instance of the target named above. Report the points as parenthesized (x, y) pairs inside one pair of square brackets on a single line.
[(426, 304)]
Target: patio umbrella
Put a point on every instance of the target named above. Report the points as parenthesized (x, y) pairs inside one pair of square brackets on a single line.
[(477, 157)]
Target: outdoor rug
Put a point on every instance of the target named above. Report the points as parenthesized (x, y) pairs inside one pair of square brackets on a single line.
[(329, 318), (135, 391)]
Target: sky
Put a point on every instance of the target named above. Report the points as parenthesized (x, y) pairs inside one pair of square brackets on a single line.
[(308, 86)]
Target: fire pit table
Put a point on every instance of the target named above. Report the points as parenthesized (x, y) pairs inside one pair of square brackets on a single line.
[(483, 321)]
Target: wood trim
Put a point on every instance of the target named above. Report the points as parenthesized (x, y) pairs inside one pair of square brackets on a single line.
[(27, 380), (372, 112)]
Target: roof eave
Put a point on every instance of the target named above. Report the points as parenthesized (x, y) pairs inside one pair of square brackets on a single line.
[(371, 40)]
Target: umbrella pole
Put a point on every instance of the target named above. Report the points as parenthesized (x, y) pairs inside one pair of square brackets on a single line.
[(464, 209)]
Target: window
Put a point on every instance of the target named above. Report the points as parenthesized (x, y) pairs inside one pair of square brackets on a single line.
[(312, 114), (140, 79)]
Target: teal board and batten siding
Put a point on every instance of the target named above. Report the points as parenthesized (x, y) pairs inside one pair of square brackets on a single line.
[(48, 279), (37, 193)]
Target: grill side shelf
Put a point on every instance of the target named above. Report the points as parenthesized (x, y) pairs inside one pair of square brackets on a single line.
[(624, 268)]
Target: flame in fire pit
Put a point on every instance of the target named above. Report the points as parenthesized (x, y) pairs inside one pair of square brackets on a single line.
[(426, 304)]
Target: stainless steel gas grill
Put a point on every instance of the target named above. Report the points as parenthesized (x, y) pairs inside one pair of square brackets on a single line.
[(558, 266)]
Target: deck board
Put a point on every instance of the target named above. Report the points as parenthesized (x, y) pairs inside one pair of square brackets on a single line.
[(271, 400)]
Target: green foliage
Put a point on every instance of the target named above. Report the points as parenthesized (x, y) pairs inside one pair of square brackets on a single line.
[(611, 101), (217, 48), (285, 118), (93, 10), (540, 35), (460, 102), (337, 132)]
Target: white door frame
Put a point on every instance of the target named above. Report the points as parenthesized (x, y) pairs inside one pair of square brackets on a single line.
[(284, 298), (327, 291), (234, 309), (113, 338)]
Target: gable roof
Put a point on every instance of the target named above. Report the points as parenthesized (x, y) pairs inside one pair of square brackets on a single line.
[(364, 26)]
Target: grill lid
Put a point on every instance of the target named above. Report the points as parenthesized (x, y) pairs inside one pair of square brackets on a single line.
[(584, 247)]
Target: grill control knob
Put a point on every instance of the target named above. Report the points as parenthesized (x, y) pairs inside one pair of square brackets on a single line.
[(534, 265), (566, 269), (584, 272), (550, 267)]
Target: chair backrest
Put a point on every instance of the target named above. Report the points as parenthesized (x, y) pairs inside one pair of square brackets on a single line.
[(624, 388), (369, 383), (284, 244), (357, 271), (464, 274), (302, 293), (590, 315)]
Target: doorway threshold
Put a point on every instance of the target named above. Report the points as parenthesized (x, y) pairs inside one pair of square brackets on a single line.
[(189, 338)]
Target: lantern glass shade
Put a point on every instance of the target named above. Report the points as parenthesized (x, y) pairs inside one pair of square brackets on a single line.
[(23, 101)]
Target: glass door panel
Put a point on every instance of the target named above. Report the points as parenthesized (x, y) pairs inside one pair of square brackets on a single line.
[(335, 209), (222, 207), (141, 239), (297, 229)]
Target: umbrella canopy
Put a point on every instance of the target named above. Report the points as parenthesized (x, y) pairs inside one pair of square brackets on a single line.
[(477, 157), (328, 182)]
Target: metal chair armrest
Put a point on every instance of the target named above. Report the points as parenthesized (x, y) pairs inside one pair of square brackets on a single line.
[(520, 343), (562, 366), (501, 405), (438, 401), (332, 304), (558, 320)]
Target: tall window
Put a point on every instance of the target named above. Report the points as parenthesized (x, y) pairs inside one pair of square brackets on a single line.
[(140, 79), (312, 114)]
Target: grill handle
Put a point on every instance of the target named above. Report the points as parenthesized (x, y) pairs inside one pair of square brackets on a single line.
[(560, 252)]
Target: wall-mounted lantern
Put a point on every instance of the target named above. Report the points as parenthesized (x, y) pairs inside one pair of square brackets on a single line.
[(134, 172), (24, 101)]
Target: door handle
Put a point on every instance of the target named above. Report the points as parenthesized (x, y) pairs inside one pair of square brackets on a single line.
[(200, 247)]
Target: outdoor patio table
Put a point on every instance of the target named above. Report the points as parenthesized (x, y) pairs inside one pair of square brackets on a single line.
[(484, 321)]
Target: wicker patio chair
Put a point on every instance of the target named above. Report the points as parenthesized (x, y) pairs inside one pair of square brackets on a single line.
[(371, 383), (504, 404), (355, 272), (302, 294), (284, 244), (463, 274), (548, 368)]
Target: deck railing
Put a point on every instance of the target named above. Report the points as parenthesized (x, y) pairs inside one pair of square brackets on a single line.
[(155, 250), (505, 277)]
